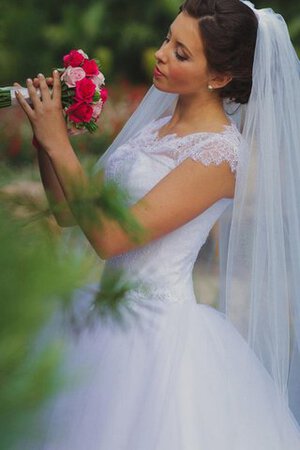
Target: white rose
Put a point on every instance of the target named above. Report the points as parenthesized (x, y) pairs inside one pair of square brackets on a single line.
[(98, 79), (97, 108), (83, 54)]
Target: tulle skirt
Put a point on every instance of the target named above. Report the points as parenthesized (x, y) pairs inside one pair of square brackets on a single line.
[(171, 376)]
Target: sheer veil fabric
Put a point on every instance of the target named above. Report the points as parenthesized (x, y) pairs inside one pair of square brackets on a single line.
[(260, 231)]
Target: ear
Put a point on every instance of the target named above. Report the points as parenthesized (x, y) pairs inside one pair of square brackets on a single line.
[(218, 80)]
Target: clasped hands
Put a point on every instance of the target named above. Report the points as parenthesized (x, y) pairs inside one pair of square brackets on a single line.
[(46, 112)]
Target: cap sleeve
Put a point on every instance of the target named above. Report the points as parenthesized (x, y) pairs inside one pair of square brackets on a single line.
[(213, 149)]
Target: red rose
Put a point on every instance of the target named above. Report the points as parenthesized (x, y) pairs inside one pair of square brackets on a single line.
[(74, 59), (90, 67), (103, 93), (85, 90), (80, 112)]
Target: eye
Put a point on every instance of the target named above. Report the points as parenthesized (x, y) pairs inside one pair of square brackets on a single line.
[(181, 58), (178, 56)]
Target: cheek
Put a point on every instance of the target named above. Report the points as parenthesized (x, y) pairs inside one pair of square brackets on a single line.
[(185, 79), (178, 73), (188, 74)]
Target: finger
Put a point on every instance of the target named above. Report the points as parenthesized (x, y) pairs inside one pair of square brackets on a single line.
[(56, 87), (17, 84), (33, 94), (49, 80), (36, 82), (24, 105), (45, 94)]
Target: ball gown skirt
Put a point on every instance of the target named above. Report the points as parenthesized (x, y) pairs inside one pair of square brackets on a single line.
[(170, 376)]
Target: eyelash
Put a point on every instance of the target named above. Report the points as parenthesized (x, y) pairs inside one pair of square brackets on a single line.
[(179, 57)]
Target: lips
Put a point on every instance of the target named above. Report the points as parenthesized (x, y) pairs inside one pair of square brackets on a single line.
[(157, 72)]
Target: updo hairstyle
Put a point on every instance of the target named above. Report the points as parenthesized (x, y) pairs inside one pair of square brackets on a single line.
[(228, 29)]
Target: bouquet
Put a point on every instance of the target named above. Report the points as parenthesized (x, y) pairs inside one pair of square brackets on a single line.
[(83, 94)]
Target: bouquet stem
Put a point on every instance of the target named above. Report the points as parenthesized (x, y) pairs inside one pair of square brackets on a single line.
[(8, 96)]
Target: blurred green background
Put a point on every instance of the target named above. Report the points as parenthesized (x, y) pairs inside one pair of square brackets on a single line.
[(123, 34), (34, 35), (34, 268)]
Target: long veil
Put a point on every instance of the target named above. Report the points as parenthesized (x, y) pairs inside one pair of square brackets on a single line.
[(259, 235), (260, 257)]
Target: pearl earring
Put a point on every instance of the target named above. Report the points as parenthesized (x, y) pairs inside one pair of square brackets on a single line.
[(210, 88)]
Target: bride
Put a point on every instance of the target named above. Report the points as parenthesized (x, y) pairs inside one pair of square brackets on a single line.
[(215, 138)]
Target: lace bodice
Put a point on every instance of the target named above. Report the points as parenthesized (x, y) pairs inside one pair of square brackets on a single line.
[(166, 264)]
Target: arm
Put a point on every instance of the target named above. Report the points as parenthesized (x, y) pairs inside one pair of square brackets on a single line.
[(54, 191), (52, 187), (184, 193), (187, 191)]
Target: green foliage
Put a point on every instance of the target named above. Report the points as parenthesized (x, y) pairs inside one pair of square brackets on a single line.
[(35, 278), (105, 57), (290, 10), (294, 29), (124, 29), (38, 277), (112, 298), (149, 61), (171, 6), (47, 31), (22, 47)]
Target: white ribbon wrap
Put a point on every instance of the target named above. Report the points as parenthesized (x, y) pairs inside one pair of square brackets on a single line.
[(22, 90)]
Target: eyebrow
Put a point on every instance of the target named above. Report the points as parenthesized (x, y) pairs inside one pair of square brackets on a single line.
[(180, 43)]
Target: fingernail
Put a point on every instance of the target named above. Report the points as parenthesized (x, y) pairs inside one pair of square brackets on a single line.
[(29, 80), (55, 72), (40, 75)]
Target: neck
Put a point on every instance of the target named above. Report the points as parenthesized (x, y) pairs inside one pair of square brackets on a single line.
[(192, 110)]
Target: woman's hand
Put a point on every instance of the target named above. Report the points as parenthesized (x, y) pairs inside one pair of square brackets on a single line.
[(36, 83), (46, 113)]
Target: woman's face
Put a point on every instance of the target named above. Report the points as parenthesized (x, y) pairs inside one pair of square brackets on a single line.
[(181, 59)]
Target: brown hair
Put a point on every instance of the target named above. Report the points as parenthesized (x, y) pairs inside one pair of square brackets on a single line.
[(228, 29)]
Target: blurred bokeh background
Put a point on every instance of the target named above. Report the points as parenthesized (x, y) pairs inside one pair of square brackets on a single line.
[(34, 35), (123, 34)]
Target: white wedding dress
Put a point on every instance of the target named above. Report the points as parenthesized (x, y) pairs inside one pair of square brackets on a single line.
[(176, 375)]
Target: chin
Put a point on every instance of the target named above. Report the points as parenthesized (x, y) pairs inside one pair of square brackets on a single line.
[(163, 88)]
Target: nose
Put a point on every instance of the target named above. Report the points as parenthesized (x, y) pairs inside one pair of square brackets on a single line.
[(160, 54)]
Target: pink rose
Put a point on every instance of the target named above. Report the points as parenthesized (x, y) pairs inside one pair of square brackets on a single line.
[(104, 94), (80, 112), (85, 90), (97, 108), (98, 79), (71, 75), (91, 68), (74, 59)]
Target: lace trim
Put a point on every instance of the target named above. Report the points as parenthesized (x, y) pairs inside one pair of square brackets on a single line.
[(145, 288), (205, 146), (152, 294), (214, 151)]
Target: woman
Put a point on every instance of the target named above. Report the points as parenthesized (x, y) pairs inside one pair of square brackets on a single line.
[(181, 376)]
